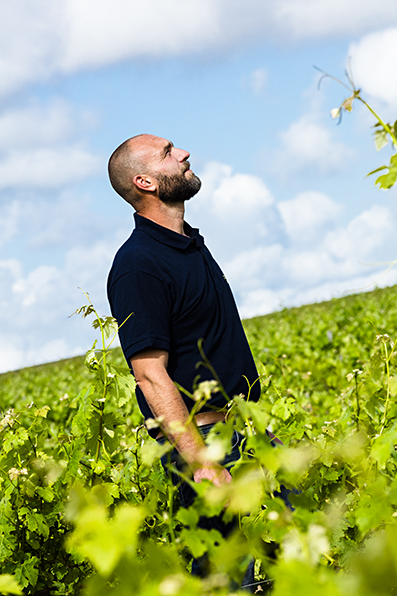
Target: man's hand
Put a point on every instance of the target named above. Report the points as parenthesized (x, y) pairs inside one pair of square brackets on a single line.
[(213, 472)]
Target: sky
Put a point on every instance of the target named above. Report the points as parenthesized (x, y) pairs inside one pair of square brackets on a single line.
[(285, 206)]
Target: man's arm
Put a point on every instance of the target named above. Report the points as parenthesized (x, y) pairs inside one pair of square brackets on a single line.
[(165, 401)]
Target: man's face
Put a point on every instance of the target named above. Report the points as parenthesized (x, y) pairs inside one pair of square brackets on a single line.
[(169, 165)]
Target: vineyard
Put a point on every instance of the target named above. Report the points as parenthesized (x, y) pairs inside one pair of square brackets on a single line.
[(87, 509)]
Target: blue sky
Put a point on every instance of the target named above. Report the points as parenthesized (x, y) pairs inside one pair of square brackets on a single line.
[(285, 205)]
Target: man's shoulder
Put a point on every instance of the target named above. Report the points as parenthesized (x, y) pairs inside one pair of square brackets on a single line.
[(136, 244), (138, 254)]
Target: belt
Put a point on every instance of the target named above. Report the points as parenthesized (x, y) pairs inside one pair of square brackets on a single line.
[(204, 418)]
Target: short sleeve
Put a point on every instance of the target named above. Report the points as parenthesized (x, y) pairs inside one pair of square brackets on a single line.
[(146, 301)]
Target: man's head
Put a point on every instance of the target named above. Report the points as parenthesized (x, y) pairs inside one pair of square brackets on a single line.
[(147, 165)]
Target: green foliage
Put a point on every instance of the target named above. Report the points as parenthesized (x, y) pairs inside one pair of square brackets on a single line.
[(86, 508), (8, 585), (388, 180), (383, 134)]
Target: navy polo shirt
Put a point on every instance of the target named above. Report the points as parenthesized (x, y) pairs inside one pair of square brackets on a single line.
[(179, 295)]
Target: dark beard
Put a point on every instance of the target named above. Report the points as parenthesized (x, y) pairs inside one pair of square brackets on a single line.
[(177, 188)]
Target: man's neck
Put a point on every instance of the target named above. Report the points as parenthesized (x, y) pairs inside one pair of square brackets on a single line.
[(168, 215)]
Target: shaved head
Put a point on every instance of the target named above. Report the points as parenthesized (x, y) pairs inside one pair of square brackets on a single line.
[(126, 162), (146, 165)]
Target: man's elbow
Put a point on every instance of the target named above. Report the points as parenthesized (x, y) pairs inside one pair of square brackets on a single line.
[(144, 384)]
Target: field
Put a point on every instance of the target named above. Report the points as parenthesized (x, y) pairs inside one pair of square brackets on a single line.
[(86, 508)]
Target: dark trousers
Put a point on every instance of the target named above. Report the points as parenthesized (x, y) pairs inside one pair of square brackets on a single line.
[(187, 495)]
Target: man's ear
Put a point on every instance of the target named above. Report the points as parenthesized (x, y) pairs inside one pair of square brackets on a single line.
[(144, 182)]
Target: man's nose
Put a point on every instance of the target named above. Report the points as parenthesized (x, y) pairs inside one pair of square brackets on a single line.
[(182, 154)]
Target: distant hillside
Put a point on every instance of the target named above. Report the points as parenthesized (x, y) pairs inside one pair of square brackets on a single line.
[(328, 337)]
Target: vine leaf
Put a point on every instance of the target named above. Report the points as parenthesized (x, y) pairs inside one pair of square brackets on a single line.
[(381, 137), (388, 180), (384, 132), (9, 585)]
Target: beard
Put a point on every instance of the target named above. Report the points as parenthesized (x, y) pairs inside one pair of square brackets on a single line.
[(177, 188)]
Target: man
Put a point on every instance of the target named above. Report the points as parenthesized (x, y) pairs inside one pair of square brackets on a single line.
[(178, 296), (166, 277)]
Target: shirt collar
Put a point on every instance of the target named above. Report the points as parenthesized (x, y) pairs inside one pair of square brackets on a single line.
[(167, 236)]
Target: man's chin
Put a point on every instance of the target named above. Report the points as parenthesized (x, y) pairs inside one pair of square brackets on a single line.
[(197, 181), (177, 189)]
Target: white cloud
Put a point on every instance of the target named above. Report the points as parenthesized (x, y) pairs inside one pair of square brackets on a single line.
[(257, 80), (307, 215), (252, 269), (54, 223), (45, 38), (47, 168), (37, 125), (263, 301), (289, 252), (41, 147), (373, 61), (237, 205), (307, 144), (41, 283), (9, 221), (68, 221), (240, 193), (363, 235), (261, 253), (30, 34), (15, 354), (289, 273), (10, 271), (36, 306), (122, 29), (336, 18)]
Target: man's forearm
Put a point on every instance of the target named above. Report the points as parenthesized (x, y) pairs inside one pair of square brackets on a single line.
[(167, 403)]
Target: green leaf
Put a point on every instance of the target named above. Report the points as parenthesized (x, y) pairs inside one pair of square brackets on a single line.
[(91, 359), (42, 412), (199, 541), (102, 540), (381, 138), (28, 573), (98, 467), (152, 451), (388, 180), (80, 423), (109, 326), (329, 474), (383, 446), (9, 585), (283, 408), (99, 424), (188, 517), (255, 411), (36, 522), (84, 310), (47, 494), (125, 386), (393, 385), (15, 439), (300, 579), (348, 103), (377, 170)]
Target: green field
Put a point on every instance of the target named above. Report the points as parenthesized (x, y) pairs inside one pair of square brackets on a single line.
[(87, 509)]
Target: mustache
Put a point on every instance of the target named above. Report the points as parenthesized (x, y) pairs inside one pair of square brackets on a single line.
[(187, 166)]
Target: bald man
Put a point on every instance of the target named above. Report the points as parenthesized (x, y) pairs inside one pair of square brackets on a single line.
[(179, 297)]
